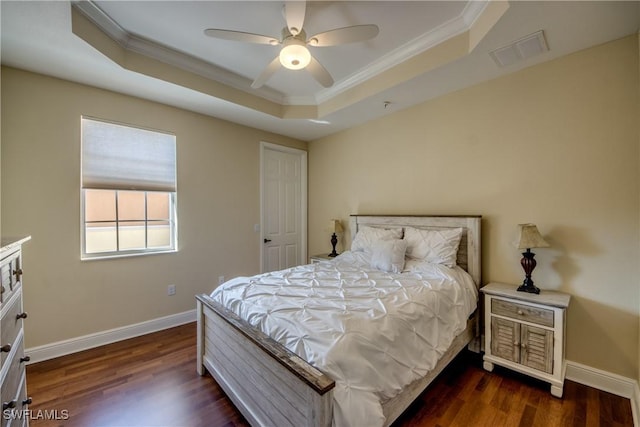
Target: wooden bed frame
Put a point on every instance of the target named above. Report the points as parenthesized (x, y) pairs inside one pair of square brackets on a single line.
[(272, 386)]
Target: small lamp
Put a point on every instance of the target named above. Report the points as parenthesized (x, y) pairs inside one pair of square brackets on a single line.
[(529, 238), (334, 227)]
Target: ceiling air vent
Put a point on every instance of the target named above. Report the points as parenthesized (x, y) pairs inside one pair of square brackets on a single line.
[(526, 47)]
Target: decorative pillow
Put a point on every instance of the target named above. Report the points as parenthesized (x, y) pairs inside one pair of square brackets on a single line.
[(367, 236), (388, 255), (439, 246)]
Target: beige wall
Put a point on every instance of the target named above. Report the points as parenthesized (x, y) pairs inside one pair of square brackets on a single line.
[(555, 144), (218, 203)]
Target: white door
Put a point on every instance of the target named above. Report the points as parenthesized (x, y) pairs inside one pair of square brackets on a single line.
[(284, 227)]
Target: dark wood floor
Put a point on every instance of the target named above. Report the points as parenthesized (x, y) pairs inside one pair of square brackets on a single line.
[(151, 381)]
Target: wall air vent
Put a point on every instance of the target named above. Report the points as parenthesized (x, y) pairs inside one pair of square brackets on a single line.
[(526, 47)]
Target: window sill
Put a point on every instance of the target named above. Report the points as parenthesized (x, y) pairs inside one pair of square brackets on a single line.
[(125, 255)]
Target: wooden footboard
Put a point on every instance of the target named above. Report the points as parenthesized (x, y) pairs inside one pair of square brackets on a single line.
[(269, 384)]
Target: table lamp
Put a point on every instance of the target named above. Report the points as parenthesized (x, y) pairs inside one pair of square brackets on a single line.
[(334, 227), (529, 238)]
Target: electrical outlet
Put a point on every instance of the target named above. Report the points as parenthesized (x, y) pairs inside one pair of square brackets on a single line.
[(171, 290), (220, 280)]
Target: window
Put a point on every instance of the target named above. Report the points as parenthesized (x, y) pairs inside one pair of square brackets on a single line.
[(128, 190)]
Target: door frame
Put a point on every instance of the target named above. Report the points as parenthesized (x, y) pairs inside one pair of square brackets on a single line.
[(303, 197)]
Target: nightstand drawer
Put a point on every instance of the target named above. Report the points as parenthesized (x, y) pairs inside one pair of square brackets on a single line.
[(527, 313)]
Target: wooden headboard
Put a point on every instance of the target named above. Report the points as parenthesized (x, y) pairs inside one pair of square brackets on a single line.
[(468, 251)]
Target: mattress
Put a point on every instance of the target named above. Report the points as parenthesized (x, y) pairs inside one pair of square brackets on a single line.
[(373, 332)]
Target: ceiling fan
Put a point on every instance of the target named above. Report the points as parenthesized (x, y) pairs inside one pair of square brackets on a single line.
[(295, 54)]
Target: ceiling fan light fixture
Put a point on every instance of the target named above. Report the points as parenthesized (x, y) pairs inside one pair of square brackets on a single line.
[(294, 55)]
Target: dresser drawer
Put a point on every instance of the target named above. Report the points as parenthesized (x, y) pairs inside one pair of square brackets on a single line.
[(524, 312), (12, 319), (10, 273), (10, 389), (20, 416)]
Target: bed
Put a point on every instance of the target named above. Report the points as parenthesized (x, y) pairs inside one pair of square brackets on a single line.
[(269, 381)]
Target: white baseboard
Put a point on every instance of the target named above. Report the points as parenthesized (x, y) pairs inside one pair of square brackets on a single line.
[(609, 382), (73, 345)]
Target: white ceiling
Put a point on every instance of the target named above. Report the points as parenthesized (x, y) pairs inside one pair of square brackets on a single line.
[(40, 37)]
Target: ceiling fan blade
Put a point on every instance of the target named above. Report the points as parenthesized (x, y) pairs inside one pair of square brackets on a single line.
[(356, 33), (267, 73), (320, 73), (240, 36), (294, 12)]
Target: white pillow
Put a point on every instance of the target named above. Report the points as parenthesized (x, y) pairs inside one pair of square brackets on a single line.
[(439, 246), (388, 255), (367, 236)]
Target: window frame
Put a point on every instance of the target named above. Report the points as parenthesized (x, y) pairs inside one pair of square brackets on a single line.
[(125, 253)]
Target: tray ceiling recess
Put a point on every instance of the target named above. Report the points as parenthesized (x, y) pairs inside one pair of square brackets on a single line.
[(440, 45)]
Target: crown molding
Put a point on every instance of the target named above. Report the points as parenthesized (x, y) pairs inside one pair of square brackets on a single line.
[(102, 20), (169, 55), (449, 29)]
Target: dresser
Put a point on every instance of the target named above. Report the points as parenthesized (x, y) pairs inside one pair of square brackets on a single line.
[(13, 384), (526, 332)]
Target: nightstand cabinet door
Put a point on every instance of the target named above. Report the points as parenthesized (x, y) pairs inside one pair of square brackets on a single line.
[(536, 348), (524, 344), (505, 339)]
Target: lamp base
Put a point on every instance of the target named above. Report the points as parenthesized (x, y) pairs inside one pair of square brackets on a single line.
[(528, 263), (528, 288), (334, 242)]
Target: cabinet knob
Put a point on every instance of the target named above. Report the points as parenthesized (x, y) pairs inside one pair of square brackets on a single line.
[(520, 312), (27, 401), (8, 405), (25, 359), (5, 348), (17, 273), (22, 315)]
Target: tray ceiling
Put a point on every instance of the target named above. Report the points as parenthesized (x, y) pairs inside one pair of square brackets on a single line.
[(157, 50)]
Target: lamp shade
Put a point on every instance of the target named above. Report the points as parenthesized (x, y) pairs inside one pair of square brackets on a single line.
[(334, 226), (529, 237)]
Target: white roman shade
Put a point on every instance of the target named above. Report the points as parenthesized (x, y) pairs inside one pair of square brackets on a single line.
[(120, 157)]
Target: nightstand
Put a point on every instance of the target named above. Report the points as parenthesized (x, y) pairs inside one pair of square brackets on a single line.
[(526, 332), (320, 257)]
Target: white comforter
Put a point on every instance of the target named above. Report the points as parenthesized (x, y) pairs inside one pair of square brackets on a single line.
[(372, 332)]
